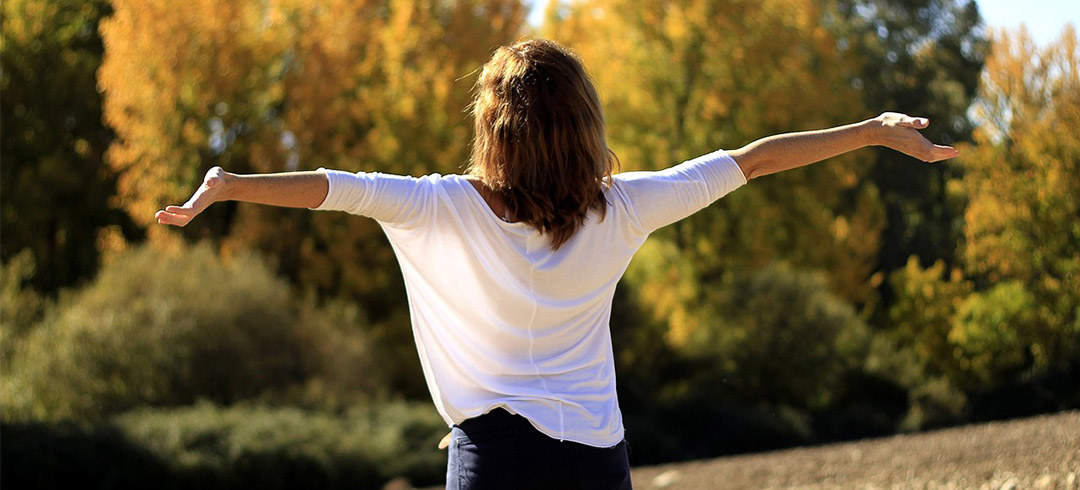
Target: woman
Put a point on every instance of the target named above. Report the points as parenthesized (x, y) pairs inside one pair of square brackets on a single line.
[(510, 269)]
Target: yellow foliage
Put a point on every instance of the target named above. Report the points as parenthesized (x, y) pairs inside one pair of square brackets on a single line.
[(376, 85), (1023, 180), (1022, 238), (679, 79), (927, 304)]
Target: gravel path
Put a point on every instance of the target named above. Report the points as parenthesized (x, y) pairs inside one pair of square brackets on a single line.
[(1041, 453)]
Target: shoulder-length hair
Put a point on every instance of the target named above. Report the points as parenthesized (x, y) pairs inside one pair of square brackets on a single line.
[(539, 140)]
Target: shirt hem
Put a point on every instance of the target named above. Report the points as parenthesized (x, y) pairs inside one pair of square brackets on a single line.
[(604, 443)]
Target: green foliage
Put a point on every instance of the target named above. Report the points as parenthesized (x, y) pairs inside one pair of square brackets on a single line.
[(206, 446), (771, 358), (922, 57), (934, 402), (994, 332), (919, 355), (55, 184), (161, 328), (165, 327), (341, 366), (284, 447), (926, 305), (780, 336), (22, 307), (1023, 185)]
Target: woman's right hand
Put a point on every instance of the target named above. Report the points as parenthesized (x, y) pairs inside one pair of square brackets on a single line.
[(213, 189)]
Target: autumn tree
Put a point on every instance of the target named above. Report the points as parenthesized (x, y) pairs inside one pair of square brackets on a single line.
[(372, 85), (1008, 311), (1022, 232), (680, 79)]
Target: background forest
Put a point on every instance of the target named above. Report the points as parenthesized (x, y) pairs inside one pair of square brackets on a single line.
[(269, 347)]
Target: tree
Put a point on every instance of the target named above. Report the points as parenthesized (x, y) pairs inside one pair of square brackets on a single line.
[(56, 187), (679, 79), (373, 85), (921, 57), (1007, 314), (1022, 237)]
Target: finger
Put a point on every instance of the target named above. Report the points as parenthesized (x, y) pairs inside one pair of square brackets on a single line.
[(166, 218), (914, 122), (941, 152)]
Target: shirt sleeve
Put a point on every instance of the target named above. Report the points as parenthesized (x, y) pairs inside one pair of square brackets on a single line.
[(660, 198), (396, 200)]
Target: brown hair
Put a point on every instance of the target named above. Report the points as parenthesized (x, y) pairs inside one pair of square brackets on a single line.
[(539, 141)]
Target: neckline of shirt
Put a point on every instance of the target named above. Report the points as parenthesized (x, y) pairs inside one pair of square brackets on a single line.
[(479, 200)]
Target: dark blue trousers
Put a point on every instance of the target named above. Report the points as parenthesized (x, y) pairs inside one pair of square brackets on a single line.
[(498, 451)]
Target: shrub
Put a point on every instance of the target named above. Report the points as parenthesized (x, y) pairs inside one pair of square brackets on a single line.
[(161, 328), (211, 447), (780, 336), (21, 309), (338, 358), (22, 306), (762, 356), (996, 333)]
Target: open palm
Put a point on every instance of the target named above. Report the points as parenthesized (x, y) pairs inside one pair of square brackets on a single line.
[(212, 190), (902, 134)]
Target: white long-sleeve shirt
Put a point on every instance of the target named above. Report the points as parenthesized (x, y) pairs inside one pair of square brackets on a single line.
[(502, 320)]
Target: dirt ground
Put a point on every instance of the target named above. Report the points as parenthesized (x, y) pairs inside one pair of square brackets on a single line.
[(1040, 453)]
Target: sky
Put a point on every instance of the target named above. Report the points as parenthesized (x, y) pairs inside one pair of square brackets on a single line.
[(1044, 18)]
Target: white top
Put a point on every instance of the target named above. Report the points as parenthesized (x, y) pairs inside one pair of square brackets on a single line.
[(501, 320)]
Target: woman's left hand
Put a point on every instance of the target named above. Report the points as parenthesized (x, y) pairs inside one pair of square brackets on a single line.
[(901, 133)]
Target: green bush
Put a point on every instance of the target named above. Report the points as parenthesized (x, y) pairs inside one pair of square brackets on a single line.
[(338, 358), (21, 309), (767, 358), (160, 328), (210, 447), (995, 332), (779, 335), (957, 346)]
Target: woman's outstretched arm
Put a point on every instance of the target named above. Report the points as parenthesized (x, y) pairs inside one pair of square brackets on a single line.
[(790, 150), (291, 189)]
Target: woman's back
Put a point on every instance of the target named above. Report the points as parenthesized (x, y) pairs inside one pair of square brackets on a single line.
[(503, 319)]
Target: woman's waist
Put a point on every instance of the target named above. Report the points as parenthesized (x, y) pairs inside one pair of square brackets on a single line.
[(598, 425)]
